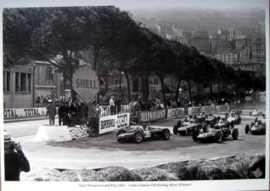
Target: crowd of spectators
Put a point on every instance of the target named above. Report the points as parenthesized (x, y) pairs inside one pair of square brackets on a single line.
[(44, 99)]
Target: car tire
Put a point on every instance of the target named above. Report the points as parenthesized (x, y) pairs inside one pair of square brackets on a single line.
[(247, 129), (195, 135), (175, 129), (235, 134), (138, 137), (232, 124), (218, 137), (120, 132), (166, 134), (256, 119)]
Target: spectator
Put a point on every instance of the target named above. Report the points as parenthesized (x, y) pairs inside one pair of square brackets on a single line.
[(62, 112), (112, 106), (15, 160), (51, 112), (118, 105), (93, 113)]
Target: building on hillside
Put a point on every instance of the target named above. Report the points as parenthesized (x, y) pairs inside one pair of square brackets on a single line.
[(225, 34), (251, 49), (228, 58), (18, 86)]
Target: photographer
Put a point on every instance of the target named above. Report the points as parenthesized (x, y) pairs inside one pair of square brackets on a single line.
[(15, 161)]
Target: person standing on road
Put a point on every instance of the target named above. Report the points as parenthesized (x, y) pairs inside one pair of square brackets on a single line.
[(62, 111), (112, 106), (93, 113), (51, 112), (15, 160)]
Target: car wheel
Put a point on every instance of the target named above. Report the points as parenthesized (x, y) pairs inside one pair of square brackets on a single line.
[(218, 137), (247, 129), (232, 124), (235, 134), (120, 132), (195, 135), (256, 119), (175, 129), (138, 137), (166, 134)]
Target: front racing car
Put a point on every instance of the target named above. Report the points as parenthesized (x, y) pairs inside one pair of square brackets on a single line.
[(138, 134), (187, 128)]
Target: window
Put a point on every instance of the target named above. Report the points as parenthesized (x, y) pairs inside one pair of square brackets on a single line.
[(49, 74), (6, 81), (29, 82), (22, 82)]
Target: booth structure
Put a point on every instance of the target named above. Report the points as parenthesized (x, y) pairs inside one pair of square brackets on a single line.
[(48, 133)]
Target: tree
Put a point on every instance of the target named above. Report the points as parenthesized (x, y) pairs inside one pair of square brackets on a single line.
[(44, 33)]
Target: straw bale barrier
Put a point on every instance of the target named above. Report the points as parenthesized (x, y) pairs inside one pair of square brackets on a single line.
[(234, 167)]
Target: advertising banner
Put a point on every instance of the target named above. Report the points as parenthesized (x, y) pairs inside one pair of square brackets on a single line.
[(262, 96), (112, 122), (176, 112), (149, 116), (212, 109), (85, 82), (194, 110), (205, 109), (24, 112)]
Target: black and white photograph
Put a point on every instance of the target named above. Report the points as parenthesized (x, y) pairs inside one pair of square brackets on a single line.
[(135, 95)]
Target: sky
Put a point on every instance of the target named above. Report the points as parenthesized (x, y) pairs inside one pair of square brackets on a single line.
[(132, 4)]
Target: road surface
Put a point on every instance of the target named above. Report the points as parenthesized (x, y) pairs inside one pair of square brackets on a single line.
[(103, 151)]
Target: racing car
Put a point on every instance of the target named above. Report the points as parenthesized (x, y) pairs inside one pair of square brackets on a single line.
[(187, 127), (217, 133), (256, 113), (233, 118), (209, 121), (256, 127), (138, 134), (201, 117)]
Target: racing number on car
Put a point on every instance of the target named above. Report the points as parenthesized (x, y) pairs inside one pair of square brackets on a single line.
[(147, 134)]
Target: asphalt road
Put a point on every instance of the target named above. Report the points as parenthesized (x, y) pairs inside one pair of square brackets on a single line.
[(103, 151)]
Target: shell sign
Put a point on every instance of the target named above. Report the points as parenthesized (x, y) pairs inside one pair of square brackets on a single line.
[(85, 82)]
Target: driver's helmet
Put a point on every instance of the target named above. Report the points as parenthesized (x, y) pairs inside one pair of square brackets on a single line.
[(192, 120), (258, 123), (202, 114), (222, 120), (144, 126)]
